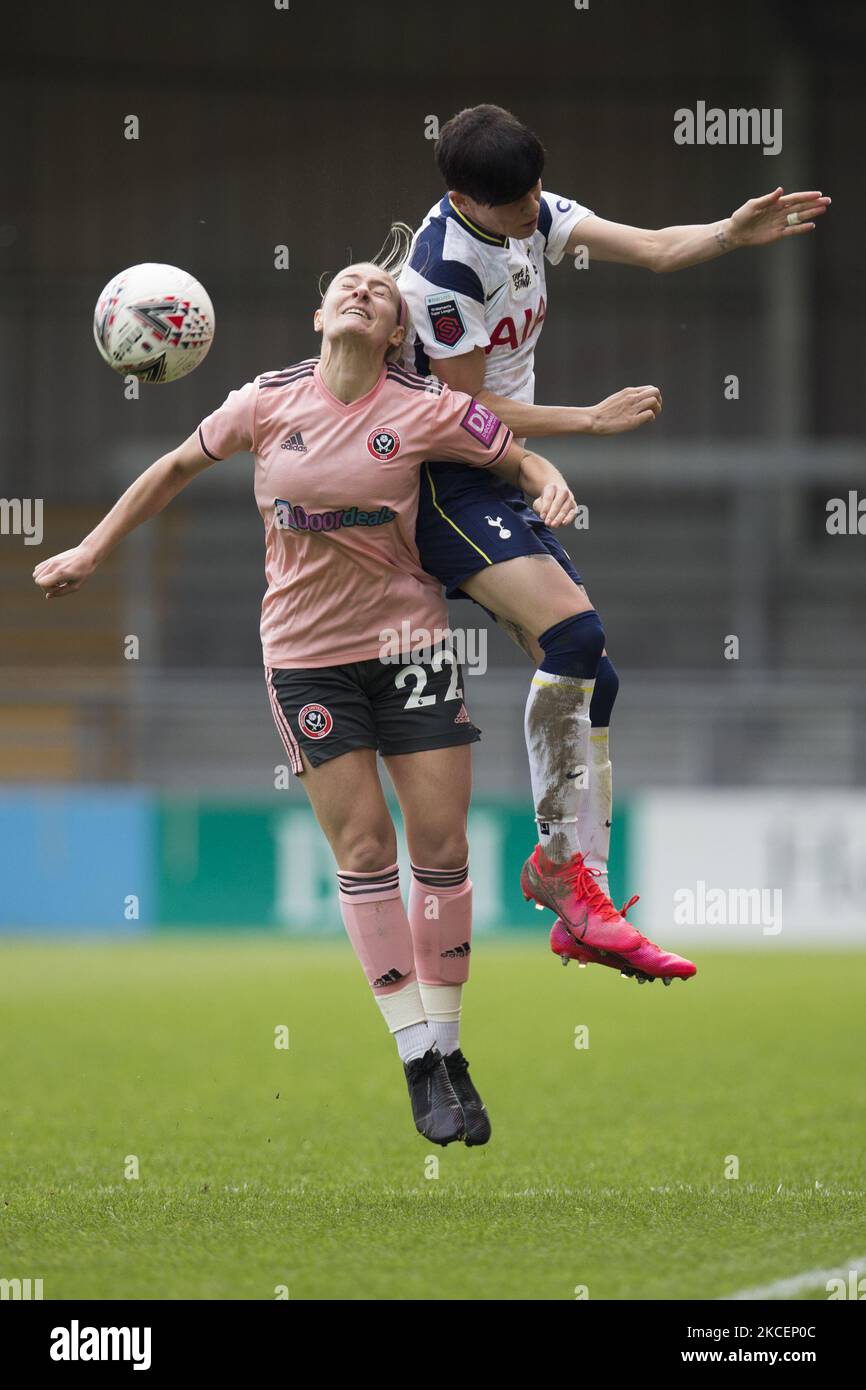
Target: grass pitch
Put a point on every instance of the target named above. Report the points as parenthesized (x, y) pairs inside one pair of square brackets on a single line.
[(260, 1168)]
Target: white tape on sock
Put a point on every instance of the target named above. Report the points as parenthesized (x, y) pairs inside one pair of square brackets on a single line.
[(402, 1008)]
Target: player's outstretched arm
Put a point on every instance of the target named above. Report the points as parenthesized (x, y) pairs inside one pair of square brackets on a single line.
[(759, 222), (540, 479), (152, 491), (623, 411)]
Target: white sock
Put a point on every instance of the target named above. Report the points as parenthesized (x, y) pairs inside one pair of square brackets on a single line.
[(446, 1036), (413, 1041), (403, 1011), (442, 1005), (557, 743), (596, 809)]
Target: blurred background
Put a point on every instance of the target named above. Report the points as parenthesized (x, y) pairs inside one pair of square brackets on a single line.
[(141, 793)]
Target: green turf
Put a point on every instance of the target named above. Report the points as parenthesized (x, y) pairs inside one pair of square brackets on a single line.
[(261, 1167)]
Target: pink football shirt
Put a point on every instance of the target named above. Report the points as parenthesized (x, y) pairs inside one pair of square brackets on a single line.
[(337, 487)]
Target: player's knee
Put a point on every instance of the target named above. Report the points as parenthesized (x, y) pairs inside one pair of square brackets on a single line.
[(574, 646), (446, 850), (365, 851), (604, 694)]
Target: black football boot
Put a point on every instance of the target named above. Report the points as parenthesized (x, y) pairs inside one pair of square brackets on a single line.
[(435, 1107), (473, 1107)]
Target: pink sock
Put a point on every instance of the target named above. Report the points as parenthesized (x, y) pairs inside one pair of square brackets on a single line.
[(378, 928), (440, 914)]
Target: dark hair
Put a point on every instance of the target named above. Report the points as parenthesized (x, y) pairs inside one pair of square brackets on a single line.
[(487, 153)]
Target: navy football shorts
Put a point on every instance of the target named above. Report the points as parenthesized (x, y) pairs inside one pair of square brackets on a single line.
[(468, 520), (329, 710)]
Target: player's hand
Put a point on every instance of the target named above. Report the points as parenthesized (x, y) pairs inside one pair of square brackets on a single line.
[(556, 505), (761, 221), (626, 410), (64, 573)]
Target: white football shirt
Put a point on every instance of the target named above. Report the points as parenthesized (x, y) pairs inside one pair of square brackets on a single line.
[(467, 288)]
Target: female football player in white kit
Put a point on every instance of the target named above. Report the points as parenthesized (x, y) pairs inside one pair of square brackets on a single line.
[(474, 280)]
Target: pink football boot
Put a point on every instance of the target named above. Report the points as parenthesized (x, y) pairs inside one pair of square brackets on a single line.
[(661, 966), (590, 920), (563, 944)]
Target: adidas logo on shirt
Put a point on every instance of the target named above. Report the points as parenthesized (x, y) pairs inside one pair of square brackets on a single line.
[(295, 441)]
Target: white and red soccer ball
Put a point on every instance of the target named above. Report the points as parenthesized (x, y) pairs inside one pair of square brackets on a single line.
[(153, 321)]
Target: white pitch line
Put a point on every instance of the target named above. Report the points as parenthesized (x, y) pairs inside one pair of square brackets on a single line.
[(799, 1283)]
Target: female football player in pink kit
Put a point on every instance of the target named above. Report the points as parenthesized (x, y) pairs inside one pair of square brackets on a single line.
[(338, 444)]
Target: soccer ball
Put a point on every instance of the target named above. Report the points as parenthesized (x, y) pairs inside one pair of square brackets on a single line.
[(153, 321)]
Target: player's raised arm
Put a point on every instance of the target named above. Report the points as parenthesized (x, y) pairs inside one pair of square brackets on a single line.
[(617, 414), (227, 430), (759, 222), (149, 494)]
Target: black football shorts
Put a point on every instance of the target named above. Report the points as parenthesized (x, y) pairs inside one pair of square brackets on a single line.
[(407, 706)]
